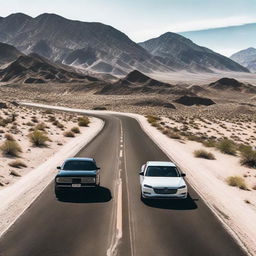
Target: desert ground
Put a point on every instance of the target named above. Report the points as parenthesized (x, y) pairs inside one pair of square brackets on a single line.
[(30, 136), (208, 127)]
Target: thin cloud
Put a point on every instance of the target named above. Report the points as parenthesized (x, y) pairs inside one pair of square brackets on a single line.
[(191, 26)]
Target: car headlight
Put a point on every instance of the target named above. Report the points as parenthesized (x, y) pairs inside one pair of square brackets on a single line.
[(57, 180), (147, 186), (184, 186)]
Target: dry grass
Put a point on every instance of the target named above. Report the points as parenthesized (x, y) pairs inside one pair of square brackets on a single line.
[(248, 156), (201, 153), (38, 138), (17, 164), (83, 121), (227, 147), (237, 181), (69, 134), (11, 148), (75, 129), (9, 137)]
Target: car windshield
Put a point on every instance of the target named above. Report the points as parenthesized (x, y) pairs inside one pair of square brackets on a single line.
[(162, 171), (79, 165)]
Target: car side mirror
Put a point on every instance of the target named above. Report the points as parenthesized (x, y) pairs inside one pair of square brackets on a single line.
[(141, 173), (183, 174), (98, 168), (58, 167)]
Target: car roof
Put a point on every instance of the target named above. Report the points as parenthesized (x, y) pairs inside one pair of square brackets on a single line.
[(80, 159), (160, 163)]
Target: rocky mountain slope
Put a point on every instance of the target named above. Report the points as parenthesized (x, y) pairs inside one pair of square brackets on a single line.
[(36, 69), (189, 55), (230, 84), (8, 53), (247, 58), (92, 45), (100, 48)]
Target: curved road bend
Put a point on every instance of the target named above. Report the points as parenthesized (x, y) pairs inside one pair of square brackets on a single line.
[(86, 225)]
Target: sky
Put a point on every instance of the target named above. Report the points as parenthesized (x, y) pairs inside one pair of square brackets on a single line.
[(143, 19)]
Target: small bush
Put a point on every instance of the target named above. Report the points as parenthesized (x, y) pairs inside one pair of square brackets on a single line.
[(14, 173), (41, 127), (9, 137), (38, 138), (227, 147), (201, 153), (248, 156), (195, 138), (75, 129), (69, 134), (11, 148), (173, 135), (153, 119), (60, 125), (237, 181), (83, 121), (17, 164), (209, 143)]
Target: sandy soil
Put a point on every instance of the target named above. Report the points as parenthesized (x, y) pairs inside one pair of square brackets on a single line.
[(202, 78), (24, 122), (236, 208)]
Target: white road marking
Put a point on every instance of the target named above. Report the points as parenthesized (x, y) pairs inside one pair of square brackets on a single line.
[(112, 250), (130, 218)]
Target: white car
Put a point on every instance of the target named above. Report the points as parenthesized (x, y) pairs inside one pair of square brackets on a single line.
[(162, 180)]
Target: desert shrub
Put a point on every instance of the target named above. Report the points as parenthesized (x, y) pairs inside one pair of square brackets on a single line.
[(173, 135), (48, 111), (9, 137), (14, 173), (34, 119), (196, 138), (41, 127), (60, 125), (75, 129), (11, 148), (83, 121), (38, 138), (248, 156), (29, 124), (237, 181), (153, 119), (227, 147), (201, 153), (69, 134), (209, 143), (51, 118), (17, 164)]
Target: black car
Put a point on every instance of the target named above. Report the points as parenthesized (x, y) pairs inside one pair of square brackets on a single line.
[(76, 174)]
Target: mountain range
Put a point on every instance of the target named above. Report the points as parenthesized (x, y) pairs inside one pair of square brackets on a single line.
[(100, 48), (247, 58), (33, 68), (171, 46)]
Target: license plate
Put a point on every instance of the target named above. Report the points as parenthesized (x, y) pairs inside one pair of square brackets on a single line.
[(76, 185)]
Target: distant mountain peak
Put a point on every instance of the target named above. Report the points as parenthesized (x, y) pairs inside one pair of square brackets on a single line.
[(18, 15), (136, 76), (246, 57)]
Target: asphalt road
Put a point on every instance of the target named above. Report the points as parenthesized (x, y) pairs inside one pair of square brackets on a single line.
[(114, 221)]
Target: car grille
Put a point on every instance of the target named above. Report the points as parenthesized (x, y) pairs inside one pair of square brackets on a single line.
[(76, 180), (165, 191)]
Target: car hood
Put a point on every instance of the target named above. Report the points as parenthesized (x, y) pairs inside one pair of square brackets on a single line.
[(173, 182), (67, 173)]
